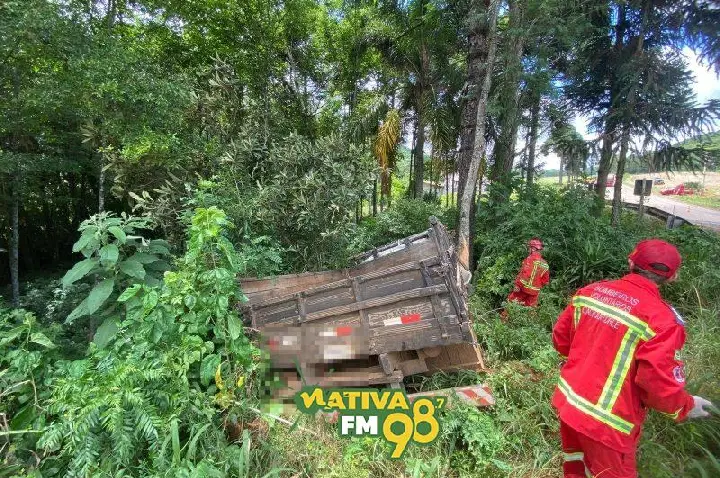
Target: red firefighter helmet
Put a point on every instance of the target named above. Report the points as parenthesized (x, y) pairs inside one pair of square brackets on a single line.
[(535, 243)]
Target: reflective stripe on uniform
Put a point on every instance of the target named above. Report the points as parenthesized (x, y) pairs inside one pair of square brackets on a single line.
[(629, 320), (529, 283), (576, 316), (673, 415), (587, 473), (575, 456), (588, 408), (620, 368), (528, 286)]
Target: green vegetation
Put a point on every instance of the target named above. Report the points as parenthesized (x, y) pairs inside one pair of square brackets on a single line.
[(174, 381), (711, 200), (153, 151)]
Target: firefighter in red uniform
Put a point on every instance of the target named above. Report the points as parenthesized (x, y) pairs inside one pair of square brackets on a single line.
[(534, 275), (620, 344)]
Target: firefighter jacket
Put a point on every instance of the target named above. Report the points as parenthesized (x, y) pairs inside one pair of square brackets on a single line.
[(534, 274), (622, 346)]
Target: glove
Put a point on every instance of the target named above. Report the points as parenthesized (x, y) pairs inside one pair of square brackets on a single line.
[(698, 410)]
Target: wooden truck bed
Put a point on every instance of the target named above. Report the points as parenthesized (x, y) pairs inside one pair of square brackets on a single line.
[(401, 310)]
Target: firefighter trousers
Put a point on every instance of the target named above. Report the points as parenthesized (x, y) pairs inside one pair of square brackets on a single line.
[(584, 457), (523, 298)]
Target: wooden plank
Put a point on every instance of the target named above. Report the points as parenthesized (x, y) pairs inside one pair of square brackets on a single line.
[(358, 295), (301, 306), (386, 363), (377, 302), (400, 282), (457, 356), (430, 352), (412, 367), (416, 253), (408, 266), (258, 290), (278, 299), (376, 251), (414, 338)]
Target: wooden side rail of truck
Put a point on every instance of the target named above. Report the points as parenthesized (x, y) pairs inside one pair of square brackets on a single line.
[(401, 310)]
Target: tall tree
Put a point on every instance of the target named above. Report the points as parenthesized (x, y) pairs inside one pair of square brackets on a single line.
[(613, 74), (509, 90), (478, 152)]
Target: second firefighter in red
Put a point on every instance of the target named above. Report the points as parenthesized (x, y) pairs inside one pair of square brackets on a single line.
[(534, 275)]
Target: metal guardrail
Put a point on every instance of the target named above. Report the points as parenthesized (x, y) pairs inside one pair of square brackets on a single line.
[(671, 220)]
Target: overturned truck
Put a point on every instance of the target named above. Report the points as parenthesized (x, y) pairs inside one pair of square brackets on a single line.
[(400, 310)]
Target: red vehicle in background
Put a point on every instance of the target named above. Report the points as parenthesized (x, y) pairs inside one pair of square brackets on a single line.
[(610, 182), (679, 190)]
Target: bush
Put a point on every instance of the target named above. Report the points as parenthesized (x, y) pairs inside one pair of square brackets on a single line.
[(154, 398), (580, 249), (405, 217)]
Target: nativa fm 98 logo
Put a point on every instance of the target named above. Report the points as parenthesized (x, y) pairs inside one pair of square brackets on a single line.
[(370, 412)]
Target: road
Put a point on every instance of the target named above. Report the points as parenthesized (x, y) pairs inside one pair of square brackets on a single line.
[(698, 215)]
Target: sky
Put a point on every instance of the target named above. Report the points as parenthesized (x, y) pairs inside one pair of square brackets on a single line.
[(706, 87)]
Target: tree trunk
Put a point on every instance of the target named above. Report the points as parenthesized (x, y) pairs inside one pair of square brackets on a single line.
[(609, 129), (101, 184), (15, 239), (617, 193), (534, 126), (447, 184), (560, 171), (476, 64), (630, 105), (411, 170), (466, 203), (418, 155), (452, 189), (504, 151), (605, 164), (374, 200)]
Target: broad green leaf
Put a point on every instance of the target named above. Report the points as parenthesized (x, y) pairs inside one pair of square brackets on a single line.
[(82, 242), (105, 332), (109, 253), (40, 338), (12, 335), (118, 233), (79, 311), (159, 247), (152, 282), (143, 257), (79, 270), (99, 295), (159, 266), (175, 440), (133, 268), (150, 300), (207, 368), (234, 326), (24, 417), (129, 292)]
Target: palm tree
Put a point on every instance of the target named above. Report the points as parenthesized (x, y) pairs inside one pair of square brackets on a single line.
[(385, 150)]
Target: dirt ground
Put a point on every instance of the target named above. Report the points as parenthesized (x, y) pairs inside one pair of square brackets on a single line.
[(710, 197), (712, 179)]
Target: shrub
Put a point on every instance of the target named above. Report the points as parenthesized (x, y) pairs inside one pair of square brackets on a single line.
[(178, 358)]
